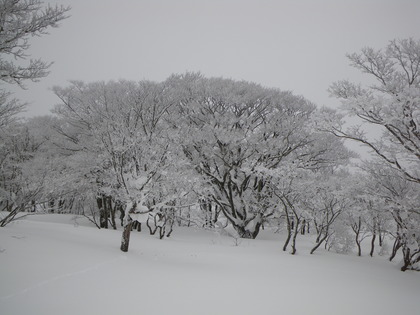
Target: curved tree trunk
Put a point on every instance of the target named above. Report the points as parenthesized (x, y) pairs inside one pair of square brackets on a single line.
[(319, 243), (395, 248)]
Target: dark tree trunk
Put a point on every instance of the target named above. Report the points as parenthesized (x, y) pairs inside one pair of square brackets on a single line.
[(303, 227), (210, 212), (289, 231), (136, 226), (381, 236), (372, 244), (10, 216), (104, 212), (316, 227), (189, 218), (151, 230), (406, 258), (319, 231), (395, 248), (411, 255), (60, 205), (244, 233), (51, 205), (100, 203), (378, 230), (359, 249), (286, 243), (171, 228), (295, 233), (357, 228), (122, 214), (113, 210), (125, 240), (319, 243)]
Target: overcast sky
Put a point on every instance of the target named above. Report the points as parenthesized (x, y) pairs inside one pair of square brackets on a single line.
[(296, 45)]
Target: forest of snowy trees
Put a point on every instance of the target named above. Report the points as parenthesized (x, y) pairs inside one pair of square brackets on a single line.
[(216, 153)]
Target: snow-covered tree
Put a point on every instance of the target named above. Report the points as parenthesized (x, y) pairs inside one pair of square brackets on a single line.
[(393, 104), (235, 128), (288, 186), (369, 217), (123, 127), (399, 200), (23, 172), (237, 133), (326, 200), (19, 21)]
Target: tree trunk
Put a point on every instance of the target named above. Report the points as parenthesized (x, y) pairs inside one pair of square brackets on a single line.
[(286, 243), (112, 214), (125, 239), (295, 233), (303, 227), (319, 243), (395, 248), (51, 205), (381, 236), (243, 233), (372, 244), (10, 216), (104, 212), (316, 227), (171, 228), (101, 205), (289, 231), (359, 249), (406, 257), (122, 214), (151, 230)]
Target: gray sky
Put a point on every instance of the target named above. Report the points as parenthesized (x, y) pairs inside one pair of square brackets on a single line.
[(296, 45)]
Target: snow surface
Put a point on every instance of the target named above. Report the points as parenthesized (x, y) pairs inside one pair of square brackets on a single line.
[(55, 264)]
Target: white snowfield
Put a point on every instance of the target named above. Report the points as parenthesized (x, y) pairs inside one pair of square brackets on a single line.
[(53, 264)]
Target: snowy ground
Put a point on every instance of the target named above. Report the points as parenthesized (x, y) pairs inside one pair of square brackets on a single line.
[(51, 264)]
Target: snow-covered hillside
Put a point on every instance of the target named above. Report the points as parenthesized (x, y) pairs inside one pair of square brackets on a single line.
[(54, 264)]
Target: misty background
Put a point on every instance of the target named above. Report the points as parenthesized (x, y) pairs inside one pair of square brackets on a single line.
[(291, 45)]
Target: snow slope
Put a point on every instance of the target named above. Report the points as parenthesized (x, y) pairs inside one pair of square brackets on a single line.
[(52, 264)]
